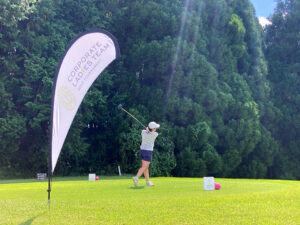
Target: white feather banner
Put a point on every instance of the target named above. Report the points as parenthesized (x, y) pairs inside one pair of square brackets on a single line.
[(83, 61)]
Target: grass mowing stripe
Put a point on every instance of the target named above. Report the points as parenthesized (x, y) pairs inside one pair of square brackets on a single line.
[(171, 201)]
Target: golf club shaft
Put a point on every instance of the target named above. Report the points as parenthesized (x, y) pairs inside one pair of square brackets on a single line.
[(133, 117)]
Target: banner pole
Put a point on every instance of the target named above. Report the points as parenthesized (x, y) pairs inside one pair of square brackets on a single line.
[(49, 179), (49, 187), (50, 147)]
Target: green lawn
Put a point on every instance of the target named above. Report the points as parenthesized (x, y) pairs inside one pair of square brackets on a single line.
[(172, 201)]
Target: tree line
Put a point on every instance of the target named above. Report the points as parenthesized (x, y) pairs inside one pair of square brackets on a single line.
[(225, 91)]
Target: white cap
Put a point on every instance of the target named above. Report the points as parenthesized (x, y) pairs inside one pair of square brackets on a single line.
[(152, 125)]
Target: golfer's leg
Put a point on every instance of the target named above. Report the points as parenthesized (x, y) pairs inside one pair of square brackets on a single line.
[(146, 174), (145, 166)]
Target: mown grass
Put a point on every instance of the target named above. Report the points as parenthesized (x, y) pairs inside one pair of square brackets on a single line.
[(172, 201)]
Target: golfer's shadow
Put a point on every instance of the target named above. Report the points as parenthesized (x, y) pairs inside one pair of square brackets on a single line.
[(138, 187), (29, 221)]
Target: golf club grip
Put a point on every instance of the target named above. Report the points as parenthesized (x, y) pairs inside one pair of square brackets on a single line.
[(133, 117)]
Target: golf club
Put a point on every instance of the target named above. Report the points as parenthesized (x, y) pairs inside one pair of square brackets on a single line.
[(121, 108)]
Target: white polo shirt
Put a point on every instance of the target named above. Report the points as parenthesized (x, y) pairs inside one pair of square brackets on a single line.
[(148, 140)]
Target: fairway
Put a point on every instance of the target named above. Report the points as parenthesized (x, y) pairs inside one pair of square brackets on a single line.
[(112, 200)]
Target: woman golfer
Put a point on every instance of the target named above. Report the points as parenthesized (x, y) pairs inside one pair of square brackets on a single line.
[(148, 138)]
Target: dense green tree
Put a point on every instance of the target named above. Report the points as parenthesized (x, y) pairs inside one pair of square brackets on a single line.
[(13, 121), (190, 164), (282, 51), (195, 67)]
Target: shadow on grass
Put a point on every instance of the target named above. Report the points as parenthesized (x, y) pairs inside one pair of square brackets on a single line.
[(29, 221), (139, 187)]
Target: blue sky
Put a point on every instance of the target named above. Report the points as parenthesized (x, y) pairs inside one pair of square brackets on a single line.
[(263, 7)]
